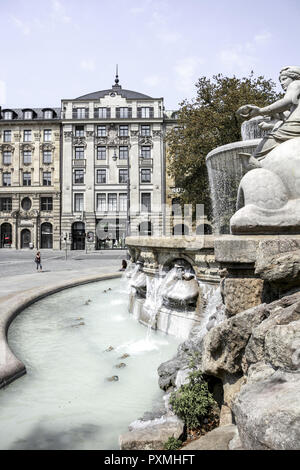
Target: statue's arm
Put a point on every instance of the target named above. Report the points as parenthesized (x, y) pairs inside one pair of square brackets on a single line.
[(291, 97)]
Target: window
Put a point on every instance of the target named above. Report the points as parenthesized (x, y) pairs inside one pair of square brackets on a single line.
[(48, 114), (146, 202), (78, 202), (145, 112), (26, 203), (101, 131), (5, 204), (46, 178), (27, 157), (123, 131), (123, 202), (146, 151), (123, 175), (7, 136), (26, 179), (79, 176), (6, 179), (145, 175), (8, 115), (46, 203), (112, 202), (27, 136), (101, 153), (47, 135), (6, 158), (102, 113), (79, 131), (101, 176), (47, 156), (145, 130), (79, 153), (27, 115), (123, 113), (80, 113), (123, 152), (101, 202)]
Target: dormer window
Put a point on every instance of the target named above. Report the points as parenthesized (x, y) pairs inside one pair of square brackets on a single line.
[(27, 114), (7, 115), (48, 114)]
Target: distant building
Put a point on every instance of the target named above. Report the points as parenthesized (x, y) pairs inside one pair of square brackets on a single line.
[(30, 178), (113, 167)]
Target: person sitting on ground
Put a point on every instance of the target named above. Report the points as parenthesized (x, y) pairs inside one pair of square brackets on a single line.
[(124, 265)]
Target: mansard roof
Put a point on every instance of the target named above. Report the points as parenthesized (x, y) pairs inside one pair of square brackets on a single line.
[(129, 94), (38, 113)]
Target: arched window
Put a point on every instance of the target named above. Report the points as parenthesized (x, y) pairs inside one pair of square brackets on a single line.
[(180, 229)]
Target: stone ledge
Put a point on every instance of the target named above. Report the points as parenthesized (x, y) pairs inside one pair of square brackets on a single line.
[(245, 248), (11, 367)]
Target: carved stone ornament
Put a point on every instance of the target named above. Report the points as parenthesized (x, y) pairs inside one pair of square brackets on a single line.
[(68, 136), (90, 135), (156, 133), (100, 141), (134, 133), (17, 136), (27, 147), (47, 147), (7, 148), (79, 141), (145, 141), (37, 136)]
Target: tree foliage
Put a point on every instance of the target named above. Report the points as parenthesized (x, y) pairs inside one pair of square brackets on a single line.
[(207, 122)]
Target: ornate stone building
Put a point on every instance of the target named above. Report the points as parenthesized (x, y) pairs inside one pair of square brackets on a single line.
[(30, 178), (113, 176)]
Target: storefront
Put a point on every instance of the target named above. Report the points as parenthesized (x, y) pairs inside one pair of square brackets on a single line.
[(110, 234)]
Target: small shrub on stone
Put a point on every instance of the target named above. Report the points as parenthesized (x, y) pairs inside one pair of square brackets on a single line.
[(172, 444), (192, 401)]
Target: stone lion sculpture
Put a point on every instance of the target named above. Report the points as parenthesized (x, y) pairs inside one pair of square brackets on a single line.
[(269, 194)]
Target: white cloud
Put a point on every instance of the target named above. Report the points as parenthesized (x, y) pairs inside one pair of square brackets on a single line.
[(2, 93), (88, 64), (21, 25), (186, 73), (59, 12), (169, 37), (262, 38), (244, 57)]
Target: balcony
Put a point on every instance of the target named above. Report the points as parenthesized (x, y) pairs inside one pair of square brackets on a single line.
[(146, 162), (79, 162)]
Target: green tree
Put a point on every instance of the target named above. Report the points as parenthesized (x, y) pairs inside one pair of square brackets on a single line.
[(207, 122)]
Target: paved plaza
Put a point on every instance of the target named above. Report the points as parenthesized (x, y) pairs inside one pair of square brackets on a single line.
[(18, 269)]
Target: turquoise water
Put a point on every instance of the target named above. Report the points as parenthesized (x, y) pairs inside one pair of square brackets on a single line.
[(65, 400)]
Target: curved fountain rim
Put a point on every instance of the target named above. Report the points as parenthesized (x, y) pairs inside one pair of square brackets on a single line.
[(11, 368), (233, 145)]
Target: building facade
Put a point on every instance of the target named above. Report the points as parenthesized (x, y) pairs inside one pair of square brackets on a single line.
[(113, 170), (30, 178)]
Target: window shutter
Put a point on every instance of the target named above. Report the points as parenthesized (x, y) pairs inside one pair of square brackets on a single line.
[(130, 113), (117, 112), (139, 112), (86, 112), (108, 113), (151, 112)]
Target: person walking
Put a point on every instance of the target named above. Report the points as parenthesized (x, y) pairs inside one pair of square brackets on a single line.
[(37, 261)]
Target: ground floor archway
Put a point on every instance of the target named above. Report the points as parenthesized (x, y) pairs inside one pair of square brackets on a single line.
[(46, 235), (25, 238), (78, 236), (6, 235)]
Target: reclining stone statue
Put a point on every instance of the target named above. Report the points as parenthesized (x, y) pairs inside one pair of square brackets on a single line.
[(268, 198)]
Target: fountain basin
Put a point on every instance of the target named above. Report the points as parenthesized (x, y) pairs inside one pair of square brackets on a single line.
[(67, 400)]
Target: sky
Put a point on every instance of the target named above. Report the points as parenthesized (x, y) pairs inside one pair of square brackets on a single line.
[(59, 49)]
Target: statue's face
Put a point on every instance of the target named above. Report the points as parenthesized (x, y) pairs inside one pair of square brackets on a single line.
[(285, 81)]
